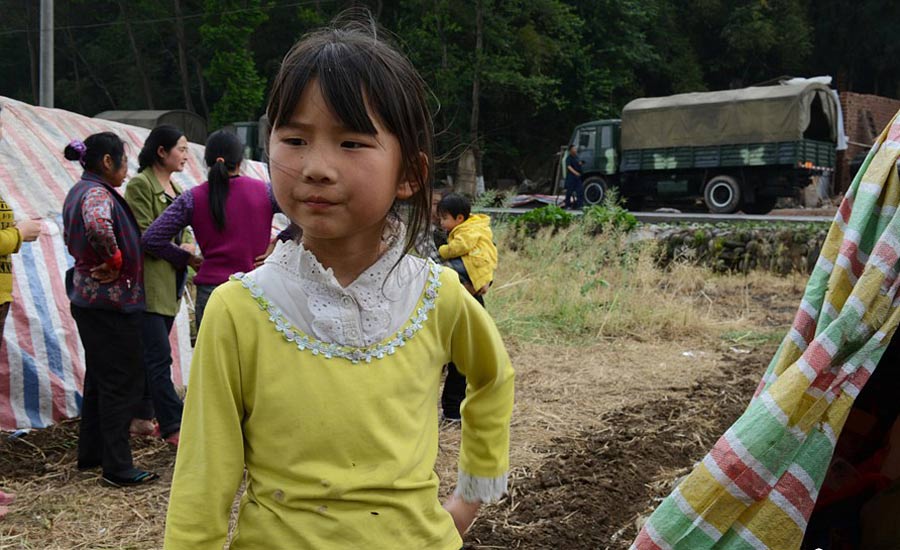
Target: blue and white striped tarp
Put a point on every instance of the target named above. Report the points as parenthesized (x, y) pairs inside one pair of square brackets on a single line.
[(41, 360)]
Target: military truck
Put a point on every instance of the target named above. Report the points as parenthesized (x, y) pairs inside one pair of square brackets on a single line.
[(735, 149)]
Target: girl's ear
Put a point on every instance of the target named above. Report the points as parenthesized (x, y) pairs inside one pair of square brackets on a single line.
[(406, 189), (160, 153), (410, 185)]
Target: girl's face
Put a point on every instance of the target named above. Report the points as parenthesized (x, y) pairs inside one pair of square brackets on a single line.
[(336, 184), (175, 158)]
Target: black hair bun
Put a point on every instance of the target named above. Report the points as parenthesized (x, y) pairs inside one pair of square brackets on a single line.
[(71, 153)]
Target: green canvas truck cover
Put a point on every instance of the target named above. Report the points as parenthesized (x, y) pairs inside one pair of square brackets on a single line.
[(749, 115)]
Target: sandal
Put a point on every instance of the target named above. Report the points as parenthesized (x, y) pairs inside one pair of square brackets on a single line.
[(140, 428), (140, 477)]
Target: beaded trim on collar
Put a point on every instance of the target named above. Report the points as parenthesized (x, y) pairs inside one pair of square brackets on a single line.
[(352, 354)]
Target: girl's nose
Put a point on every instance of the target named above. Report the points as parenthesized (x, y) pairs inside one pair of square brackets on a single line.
[(318, 166)]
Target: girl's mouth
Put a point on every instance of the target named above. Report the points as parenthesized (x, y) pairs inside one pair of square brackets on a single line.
[(317, 203)]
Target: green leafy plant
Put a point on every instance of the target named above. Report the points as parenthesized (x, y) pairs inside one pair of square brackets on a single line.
[(611, 215), (547, 216)]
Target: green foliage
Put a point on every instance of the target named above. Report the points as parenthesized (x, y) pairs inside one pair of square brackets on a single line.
[(609, 216), (226, 33), (550, 216), (546, 65), (600, 217)]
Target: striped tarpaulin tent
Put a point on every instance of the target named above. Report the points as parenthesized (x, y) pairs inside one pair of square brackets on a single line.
[(757, 487), (42, 361)]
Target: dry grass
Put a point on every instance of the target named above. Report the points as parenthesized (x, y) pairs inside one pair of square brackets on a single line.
[(574, 288), (592, 327)]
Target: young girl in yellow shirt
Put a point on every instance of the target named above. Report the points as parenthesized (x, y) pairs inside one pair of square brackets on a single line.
[(318, 372)]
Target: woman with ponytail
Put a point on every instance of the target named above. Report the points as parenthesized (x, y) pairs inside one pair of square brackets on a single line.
[(106, 291), (231, 216)]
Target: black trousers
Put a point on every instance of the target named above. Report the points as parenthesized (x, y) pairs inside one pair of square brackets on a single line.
[(113, 382), (454, 387), (160, 396)]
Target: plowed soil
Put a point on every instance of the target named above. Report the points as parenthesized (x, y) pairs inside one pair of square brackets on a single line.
[(599, 435)]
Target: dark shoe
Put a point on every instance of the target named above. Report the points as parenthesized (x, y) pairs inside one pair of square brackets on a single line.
[(139, 477)]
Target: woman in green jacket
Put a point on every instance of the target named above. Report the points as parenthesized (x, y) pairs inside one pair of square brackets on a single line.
[(149, 193)]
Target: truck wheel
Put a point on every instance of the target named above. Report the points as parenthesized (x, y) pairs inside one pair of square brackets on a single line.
[(594, 190), (762, 205), (722, 195)]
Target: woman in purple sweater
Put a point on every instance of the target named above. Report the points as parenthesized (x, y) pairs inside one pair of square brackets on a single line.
[(231, 216)]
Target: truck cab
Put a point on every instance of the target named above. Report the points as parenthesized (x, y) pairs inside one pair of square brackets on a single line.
[(597, 143)]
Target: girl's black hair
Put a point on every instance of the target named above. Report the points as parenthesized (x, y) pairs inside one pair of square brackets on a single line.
[(224, 153), (96, 147), (166, 136), (357, 71)]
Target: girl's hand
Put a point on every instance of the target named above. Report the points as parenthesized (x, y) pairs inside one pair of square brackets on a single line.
[(189, 247), (104, 273), (463, 513)]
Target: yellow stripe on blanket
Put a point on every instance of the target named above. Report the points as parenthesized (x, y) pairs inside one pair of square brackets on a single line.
[(697, 493), (773, 526)]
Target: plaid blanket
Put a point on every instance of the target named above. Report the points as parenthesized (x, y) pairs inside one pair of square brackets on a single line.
[(757, 487)]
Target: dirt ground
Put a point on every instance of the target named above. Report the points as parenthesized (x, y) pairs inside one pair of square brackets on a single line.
[(599, 434)]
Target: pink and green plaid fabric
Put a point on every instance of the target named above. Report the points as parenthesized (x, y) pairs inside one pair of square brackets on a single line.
[(757, 487)]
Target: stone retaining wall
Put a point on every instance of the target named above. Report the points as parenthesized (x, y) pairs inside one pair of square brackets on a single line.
[(780, 249)]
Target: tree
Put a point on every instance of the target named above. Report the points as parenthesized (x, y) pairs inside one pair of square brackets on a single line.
[(226, 31)]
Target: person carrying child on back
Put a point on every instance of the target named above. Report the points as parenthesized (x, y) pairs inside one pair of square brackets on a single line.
[(469, 251), (317, 373), (470, 248)]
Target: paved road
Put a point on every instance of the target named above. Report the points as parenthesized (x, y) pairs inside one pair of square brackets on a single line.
[(661, 217)]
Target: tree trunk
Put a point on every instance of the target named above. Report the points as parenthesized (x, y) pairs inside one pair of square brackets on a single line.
[(32, 53), (182, 59), (138, 60), (203, 102), (87, 66), (71, 46), (476, 91)]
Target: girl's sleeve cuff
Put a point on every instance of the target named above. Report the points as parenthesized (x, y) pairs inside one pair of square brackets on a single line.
[(481, 489)]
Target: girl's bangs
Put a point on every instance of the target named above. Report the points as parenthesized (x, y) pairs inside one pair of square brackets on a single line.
[(341, 77)]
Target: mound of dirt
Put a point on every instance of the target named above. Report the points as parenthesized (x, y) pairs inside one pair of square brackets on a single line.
[(591, 492)]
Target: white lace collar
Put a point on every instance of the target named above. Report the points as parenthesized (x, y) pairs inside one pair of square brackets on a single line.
[(378, 303)]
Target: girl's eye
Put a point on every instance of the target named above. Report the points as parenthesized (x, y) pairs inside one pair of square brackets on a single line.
[(294, 141), (353, 145)]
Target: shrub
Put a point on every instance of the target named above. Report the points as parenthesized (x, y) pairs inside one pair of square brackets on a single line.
[(550, 216)]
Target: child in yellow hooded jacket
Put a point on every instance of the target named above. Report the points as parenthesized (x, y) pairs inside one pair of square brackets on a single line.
[(470, 240)]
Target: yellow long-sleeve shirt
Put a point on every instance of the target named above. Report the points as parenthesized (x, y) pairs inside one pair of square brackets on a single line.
[(339, 451), (473, 241), (10, 242)]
